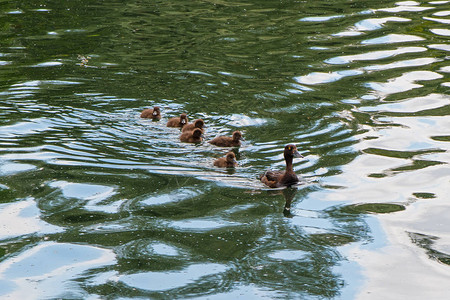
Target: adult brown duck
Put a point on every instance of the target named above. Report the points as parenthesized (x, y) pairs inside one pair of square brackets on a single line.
[(151, 113), (275, 179), (229, 161), (178, 121), (226, 141)]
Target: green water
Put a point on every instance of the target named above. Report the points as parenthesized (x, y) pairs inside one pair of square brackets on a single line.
[(97, 203)]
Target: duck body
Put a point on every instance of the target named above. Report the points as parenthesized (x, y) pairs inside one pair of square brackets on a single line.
[(227, 141), (199, 123), (194, 136), (151, 113), (180, 121), (228, 161), (276, 179)]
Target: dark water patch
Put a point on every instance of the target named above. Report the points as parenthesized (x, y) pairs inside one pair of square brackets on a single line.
[(441, 138), (378, 175), (417, 165), (401, 154), (330, 239), (6, 194), (423, 195), (81, 217), (377, 208)]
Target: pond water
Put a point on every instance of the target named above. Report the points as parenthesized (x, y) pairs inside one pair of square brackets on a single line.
[(97, 203)]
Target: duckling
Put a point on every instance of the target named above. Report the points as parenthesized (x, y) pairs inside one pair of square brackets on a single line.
[(178, 121), (275, 179), (195, 136), (226, 141), (228, 161), (199, 123), (151, 113)]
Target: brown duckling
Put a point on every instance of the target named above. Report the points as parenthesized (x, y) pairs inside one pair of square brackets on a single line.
[(228, 161), (275, 179), (226, 141), (151, 113), (199, 123), (178, 121), (195, 136)]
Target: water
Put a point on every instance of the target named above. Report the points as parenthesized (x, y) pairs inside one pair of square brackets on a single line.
[(97, 203)]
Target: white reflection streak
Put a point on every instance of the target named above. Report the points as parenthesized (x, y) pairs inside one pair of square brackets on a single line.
[(403, 64), (13, 223), (443, 21), (17, 270), (374, 55), (322, 77), (403, 83)]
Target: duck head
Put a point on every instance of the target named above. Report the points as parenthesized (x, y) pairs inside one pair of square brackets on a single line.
[(291, 151), (231, 158), (237, 136), (197, 133), (183, 119), (156, 111), (199, 123)]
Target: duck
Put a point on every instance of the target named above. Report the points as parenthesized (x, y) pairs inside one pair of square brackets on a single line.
[(194, 136), (228, 161), (226, 141), (199, 123), (178, 121), (151, 113), (276, 179)]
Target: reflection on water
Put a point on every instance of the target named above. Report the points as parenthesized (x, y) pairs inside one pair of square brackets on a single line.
[(288, 194), (95, 201), (50, 270), (163, 281)]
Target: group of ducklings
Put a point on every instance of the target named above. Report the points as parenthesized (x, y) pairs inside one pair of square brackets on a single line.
[(193, 133)]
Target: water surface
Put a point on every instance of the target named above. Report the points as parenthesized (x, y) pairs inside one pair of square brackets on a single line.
[(98, 203)]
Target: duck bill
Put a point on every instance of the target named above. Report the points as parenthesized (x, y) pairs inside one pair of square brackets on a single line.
[(297, 154)]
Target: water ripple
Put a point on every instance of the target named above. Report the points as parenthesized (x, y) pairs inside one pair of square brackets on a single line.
[(97, 201), (164, 281), (374, 24), (26, 128), (393, 38), (32, 270), (413, 105), (201, 225), (406, 6), (403, 64), (320, 77), (25, 216), (442, 21), (374, 55), (320, 19), (440, 31), (443, 13), (403, 83)]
